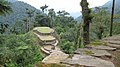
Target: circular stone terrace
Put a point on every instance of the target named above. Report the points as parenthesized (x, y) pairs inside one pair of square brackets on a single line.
[(43, 30), (45, 34)]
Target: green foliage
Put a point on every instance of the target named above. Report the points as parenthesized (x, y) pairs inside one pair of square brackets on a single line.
[(100, 23), (18, 13), (68, 47), (4, 7), (42, 20), (19, 50)]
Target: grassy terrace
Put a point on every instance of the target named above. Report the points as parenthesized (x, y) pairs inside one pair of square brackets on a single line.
[(44, 29)]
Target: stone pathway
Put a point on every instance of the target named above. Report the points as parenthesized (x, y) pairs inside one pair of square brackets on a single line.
[(88, 61), (49, 45), (84, 57)]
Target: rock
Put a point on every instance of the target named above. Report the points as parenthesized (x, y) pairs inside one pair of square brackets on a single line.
[(113, 42), (102, 47), (88, 61), (55, 57), (93, 52), (114, 45), (113, 38)]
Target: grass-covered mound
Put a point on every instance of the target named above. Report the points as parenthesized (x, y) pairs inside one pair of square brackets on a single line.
[(19, 50)]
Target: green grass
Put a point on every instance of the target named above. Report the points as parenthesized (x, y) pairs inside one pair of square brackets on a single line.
[(97, 43), (88, 52), (44, 29)]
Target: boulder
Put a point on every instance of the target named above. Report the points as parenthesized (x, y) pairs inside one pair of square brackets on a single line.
[(55, 57)]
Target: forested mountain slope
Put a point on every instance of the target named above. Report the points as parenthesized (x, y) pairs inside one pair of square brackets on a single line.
[(117, 5), (19, 12)]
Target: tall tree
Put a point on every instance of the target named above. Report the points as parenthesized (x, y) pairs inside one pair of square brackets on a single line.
[(52, 15), (30, 14), (4, 7), (112, 14), (86, 21)]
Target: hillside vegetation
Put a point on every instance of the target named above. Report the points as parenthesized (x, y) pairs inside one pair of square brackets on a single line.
[(19, 50)]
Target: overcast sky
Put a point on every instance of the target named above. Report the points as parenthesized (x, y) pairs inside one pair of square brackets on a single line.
[(71, 6)]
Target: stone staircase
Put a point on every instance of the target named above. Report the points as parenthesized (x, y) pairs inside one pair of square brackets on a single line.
[(48, 42), (91, 56)]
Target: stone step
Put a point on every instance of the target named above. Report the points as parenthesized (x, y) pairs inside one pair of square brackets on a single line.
[(45, 51), (55, 57), (46, 38), (102, 47), (48, 47), (113, 38), (113, 42), (113, 45), (56, 43), (87, 61), (93, 52)]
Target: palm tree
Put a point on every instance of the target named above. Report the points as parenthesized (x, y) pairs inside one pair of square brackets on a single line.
[(86, 21), (4, 7), (43, 8), (112, 14)]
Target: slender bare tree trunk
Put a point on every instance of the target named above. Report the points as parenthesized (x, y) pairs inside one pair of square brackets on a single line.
[(112, 14), (86, 23)]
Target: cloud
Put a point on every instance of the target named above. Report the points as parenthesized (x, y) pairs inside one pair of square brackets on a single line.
[(70, 6)]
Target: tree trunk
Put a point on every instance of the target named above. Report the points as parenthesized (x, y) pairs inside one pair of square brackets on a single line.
[(112, 14), (86, 23)]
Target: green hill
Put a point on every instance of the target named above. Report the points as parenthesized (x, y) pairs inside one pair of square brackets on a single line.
[(19, 12)]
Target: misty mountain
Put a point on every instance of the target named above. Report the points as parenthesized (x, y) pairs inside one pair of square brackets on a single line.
[(109, 6)]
